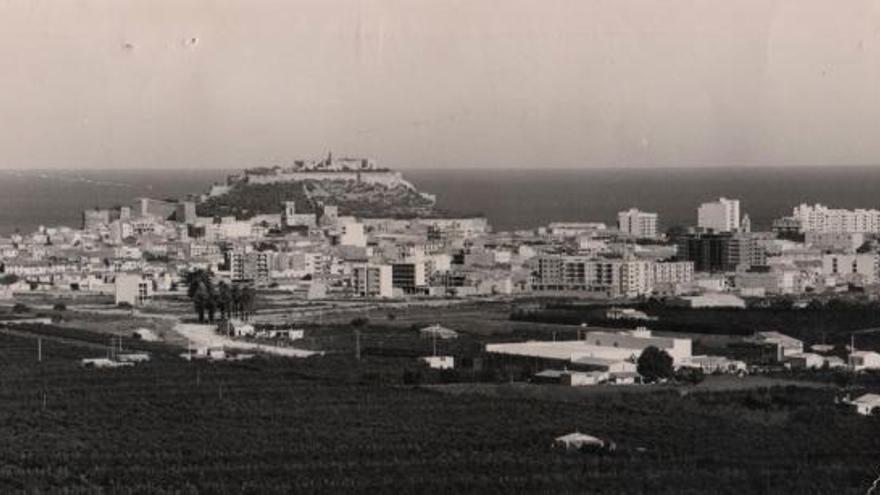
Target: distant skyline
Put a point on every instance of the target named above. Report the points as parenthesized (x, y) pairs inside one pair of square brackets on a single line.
[(439, 83)]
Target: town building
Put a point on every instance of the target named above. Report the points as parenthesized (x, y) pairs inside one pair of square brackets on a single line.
[(820, 218), (596, 276), (372, 281), (408, 276), (132, 289), (859, 269), (721, 252), (637, 223), (719, 216)]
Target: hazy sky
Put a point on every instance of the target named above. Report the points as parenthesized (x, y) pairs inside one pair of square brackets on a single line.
[(439, 83)]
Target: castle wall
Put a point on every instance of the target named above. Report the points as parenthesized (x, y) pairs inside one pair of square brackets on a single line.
[(389, 179)]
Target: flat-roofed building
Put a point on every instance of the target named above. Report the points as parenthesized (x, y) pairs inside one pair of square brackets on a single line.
[(719, 216), (132, 289), (613, 351), (596, 276), (373, 281), (637, 223)]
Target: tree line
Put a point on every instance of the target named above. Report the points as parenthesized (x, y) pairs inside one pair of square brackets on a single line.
[(209, 298)]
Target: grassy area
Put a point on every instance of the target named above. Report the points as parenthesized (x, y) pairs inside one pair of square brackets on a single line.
[(337, 424)]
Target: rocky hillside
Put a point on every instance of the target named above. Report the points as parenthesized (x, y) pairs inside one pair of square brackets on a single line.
[(353, 198)]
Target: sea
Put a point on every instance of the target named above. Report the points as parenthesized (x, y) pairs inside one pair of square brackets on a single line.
[(510, 199)]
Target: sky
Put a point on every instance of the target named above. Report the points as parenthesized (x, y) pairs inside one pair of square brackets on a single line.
[(439, 83)]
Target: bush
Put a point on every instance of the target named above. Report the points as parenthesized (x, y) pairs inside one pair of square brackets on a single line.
[(20, 308), (690, 376), (360, 322), (59, 306)]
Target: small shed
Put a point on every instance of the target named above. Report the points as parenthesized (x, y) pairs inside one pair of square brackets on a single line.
[(439, 362)]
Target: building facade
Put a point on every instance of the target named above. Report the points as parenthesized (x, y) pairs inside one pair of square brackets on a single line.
[(637, 223), (719, 216)]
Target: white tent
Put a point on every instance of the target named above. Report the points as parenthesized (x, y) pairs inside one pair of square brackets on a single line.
[(438, 331)]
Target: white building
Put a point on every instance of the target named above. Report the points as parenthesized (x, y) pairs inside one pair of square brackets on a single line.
[(864, 360), (605, 277), (673, 272), (439, 362), (847, 242), (637, 223), (352, 234), (132, 289), (820, 218), (854, 268), (719, 216), (372, 280), (788, 346), (606, 350)]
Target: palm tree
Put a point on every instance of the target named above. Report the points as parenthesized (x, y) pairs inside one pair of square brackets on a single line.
[(200, 289), (248, 301), (224, 300), (235, 300)]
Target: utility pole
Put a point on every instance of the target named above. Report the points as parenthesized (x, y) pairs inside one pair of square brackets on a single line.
[(357, 344), (39, 349), (852, 349)]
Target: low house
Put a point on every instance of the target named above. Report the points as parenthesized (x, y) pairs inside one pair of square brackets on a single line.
[(864, 360), (438, 331), (212, 353), (834, 362), (439, 362), (710, 300), (786, 345), (133, 357), (236, 328), (624, 377), (578, 441), (715, 364), (279, 332), (583, 378), (867, 404), (627, 314), (805, 361)]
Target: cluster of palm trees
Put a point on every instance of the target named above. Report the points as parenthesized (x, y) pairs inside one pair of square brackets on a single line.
[(230, 300)]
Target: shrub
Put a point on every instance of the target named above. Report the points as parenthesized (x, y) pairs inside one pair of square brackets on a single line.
[(655, 364)]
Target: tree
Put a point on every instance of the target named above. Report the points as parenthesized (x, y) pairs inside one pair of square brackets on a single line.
[(224, 300), (200, 289), (20, 308), (9, 279), (60, 306), (360, 322), (655, 364), (248, 301)]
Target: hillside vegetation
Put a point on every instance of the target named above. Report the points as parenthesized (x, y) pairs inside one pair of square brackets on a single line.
[(353, 198)]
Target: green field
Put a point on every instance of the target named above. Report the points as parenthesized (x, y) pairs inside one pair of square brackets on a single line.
[(335, 424)]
